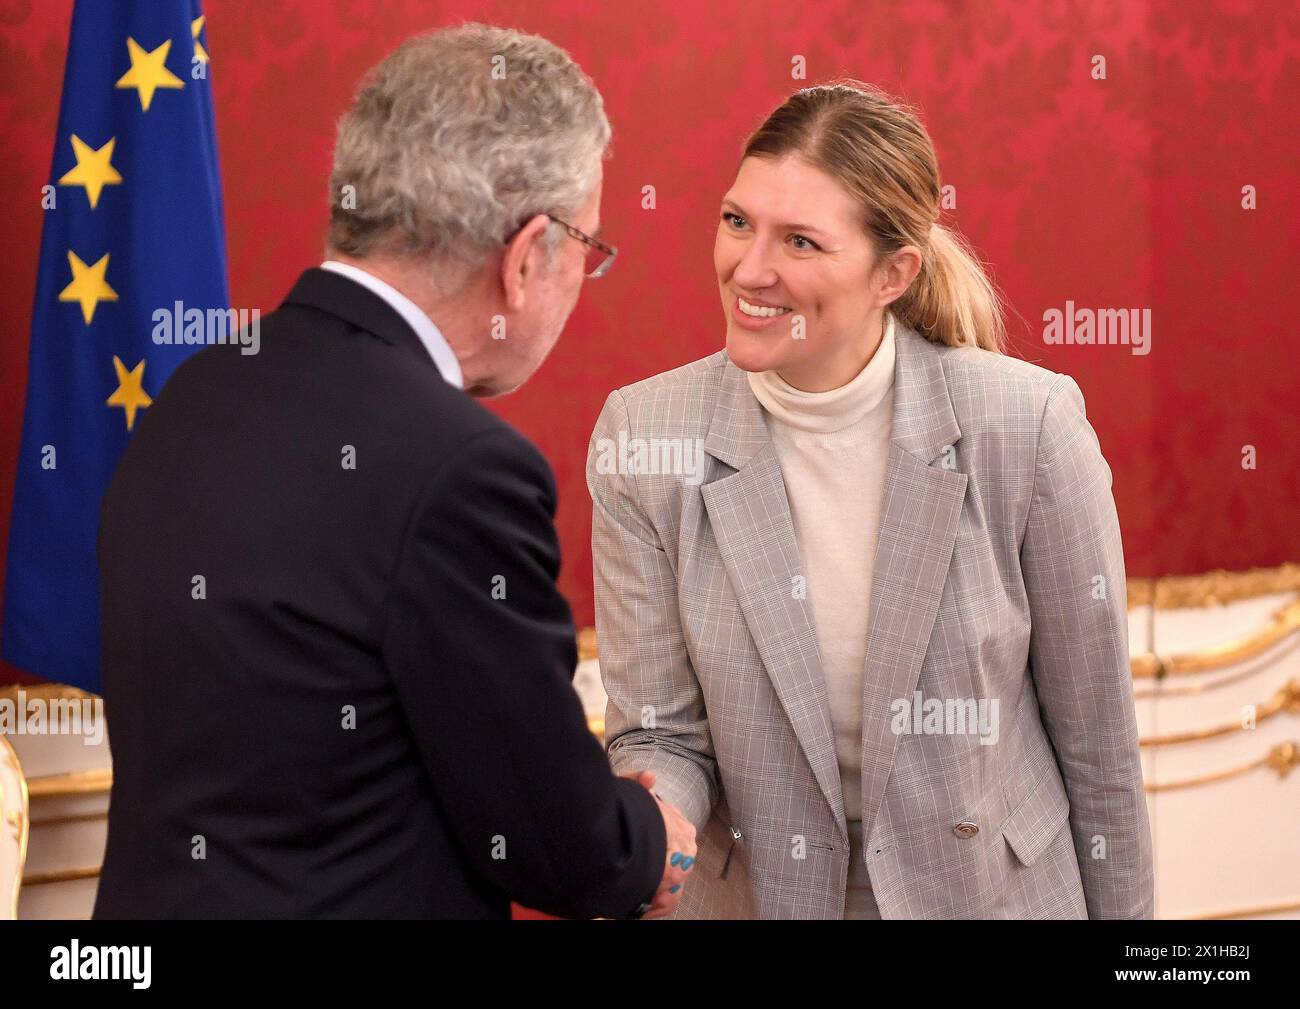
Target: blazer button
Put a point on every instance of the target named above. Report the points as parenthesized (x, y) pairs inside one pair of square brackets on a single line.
[(966, 829)]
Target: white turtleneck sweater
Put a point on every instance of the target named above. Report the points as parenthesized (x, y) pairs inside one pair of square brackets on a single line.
[(833, 447)]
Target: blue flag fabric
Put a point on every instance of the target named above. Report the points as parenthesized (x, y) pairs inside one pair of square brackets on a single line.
[(133, 235)]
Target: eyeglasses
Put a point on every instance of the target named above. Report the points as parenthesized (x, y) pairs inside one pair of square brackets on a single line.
[(599, 256)]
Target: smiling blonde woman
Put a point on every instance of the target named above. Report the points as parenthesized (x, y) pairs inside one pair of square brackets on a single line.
[(877, 651)]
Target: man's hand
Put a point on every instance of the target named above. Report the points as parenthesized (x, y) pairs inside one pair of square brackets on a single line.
[(680, 856)]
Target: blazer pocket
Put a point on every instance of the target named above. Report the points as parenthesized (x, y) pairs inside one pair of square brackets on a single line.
[(1034, 824)]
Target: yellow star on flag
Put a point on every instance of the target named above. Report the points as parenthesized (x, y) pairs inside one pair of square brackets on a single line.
[(94, 169), (88, 285), (148, 71), (130, 394), (196, 26)]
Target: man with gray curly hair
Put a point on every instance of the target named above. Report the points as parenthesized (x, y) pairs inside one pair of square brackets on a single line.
[(367, 709), (468, 163)]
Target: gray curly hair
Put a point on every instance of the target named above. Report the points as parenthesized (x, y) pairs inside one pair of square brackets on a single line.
[(457, 138)]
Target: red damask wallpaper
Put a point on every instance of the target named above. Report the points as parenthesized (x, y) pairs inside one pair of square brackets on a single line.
[(1122, 191)]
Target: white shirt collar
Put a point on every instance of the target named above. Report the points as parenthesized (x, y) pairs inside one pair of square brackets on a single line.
[(434, 342)]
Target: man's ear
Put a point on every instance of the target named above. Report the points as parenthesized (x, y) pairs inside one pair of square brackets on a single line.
[(523, 261)]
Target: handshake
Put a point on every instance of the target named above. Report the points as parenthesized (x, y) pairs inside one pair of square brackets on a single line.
[(680, 856)]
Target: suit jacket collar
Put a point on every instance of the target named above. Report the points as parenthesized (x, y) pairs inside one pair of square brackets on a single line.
[(924, 422), (356, 305)]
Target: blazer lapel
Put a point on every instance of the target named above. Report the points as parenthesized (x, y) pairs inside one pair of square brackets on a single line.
[(922, 504), (749, 514), (750, 518)]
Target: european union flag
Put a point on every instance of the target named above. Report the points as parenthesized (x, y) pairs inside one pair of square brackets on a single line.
[(133, 227)]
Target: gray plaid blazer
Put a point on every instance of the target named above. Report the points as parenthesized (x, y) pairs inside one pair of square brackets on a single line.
[(999, 575)]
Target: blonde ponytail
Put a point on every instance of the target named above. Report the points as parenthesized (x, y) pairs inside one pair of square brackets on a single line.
[(952, 301)]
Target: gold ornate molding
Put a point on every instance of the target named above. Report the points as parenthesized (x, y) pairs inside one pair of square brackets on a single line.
[(1176, 592), (98, 779), (63, 875), (1282, 758), (58, 821), (18, 819), (1150, 665), (1191, 687), (1247, 912), (1287, 698), (1139, 591)]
